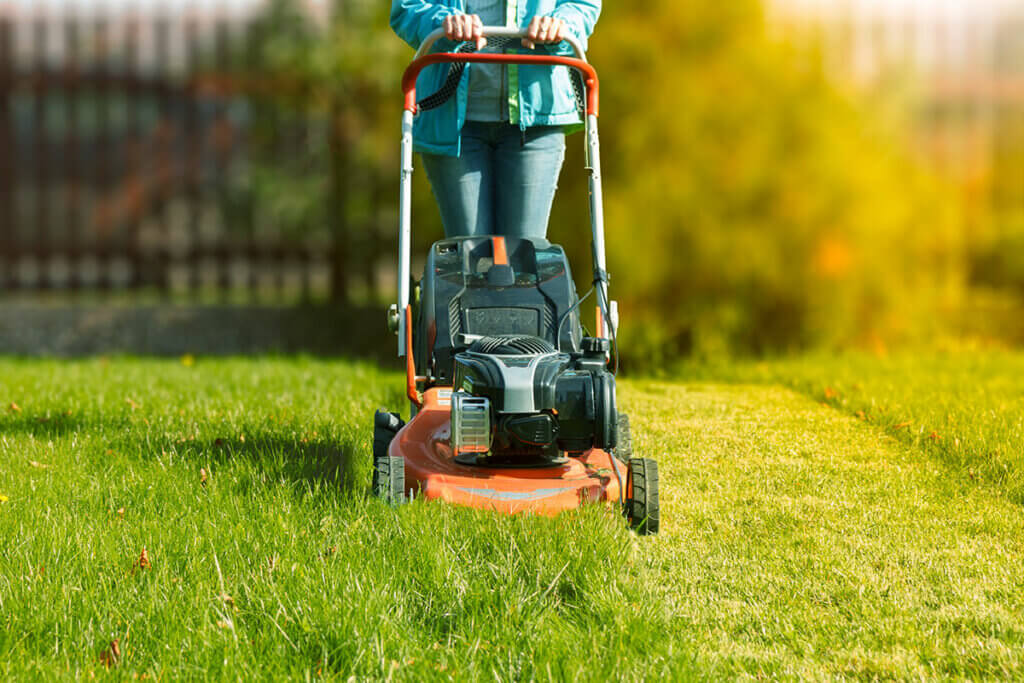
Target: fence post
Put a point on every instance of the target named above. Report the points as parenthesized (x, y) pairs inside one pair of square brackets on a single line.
[(6, 142), (338, 145)]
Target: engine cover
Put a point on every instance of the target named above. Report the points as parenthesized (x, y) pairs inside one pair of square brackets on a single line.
[(541, 401)]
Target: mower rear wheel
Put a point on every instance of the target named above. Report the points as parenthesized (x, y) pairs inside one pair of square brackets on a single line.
[(385, 426), (388, 471), (642, 506), (624, 445)]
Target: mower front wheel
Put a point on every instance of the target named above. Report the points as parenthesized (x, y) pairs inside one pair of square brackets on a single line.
[(388, 471), (643, 509)]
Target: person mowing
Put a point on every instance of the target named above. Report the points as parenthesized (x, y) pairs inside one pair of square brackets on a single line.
[(494, 151)]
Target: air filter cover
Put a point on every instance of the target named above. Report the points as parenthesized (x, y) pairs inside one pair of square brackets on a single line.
[(471, 423)]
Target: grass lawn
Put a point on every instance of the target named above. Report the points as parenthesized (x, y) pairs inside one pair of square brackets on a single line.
[(798, 540), (965, 409)]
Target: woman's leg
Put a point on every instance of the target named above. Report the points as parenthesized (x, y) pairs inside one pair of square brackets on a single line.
[(464, 186), (526, 178)]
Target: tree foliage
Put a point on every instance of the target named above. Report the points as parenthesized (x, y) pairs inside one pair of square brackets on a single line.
[(751, 207)]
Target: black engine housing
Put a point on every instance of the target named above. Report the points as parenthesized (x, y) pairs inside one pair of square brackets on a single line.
[(501, 321)]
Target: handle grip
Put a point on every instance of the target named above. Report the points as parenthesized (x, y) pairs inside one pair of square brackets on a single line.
[(498, 32)]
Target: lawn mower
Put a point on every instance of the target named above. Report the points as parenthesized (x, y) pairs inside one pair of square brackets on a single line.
[(512, 403)]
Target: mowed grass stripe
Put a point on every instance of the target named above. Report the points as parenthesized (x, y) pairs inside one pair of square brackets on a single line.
[(964, 408), (800, 541), (797, 542)]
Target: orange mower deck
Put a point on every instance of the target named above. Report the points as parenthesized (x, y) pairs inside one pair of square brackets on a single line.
[(432, 473)]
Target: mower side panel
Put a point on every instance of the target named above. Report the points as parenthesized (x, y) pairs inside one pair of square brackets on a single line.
[(431, 472)]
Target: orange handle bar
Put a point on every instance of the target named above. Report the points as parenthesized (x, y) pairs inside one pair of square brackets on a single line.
[(588, 72), (410, 362)]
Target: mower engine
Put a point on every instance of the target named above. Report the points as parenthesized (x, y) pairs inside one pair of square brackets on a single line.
[(517, 401)]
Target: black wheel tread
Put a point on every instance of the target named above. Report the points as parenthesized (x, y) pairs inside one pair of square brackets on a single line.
[(643, 505), (388, 480)]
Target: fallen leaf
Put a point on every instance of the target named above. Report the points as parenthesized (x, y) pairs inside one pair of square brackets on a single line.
[(202, 476), (970, 473), (218, 442), (861, 415), (111, 655), (224, 624), (144, 562), (42, 420), (934, 436), (120, 512), (830, 393), (226, 599), (14, 407), (38, 465), (241, 437), (901, 425)]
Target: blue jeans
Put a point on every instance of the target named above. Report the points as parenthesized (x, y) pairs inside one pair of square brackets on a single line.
[(502, 184)]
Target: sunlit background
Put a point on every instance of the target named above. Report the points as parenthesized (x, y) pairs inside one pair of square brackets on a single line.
[(780, 176)]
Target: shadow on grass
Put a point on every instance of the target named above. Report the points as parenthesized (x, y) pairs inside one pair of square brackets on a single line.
[(318, 462), (310, 458)]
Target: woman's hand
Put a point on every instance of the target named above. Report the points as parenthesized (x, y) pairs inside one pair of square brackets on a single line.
[(465, 27), (544, 30)]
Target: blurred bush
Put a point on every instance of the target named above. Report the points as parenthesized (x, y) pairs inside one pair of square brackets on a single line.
[(752, 208)]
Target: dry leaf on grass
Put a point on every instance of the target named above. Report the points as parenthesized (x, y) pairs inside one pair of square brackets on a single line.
[(934, 436), (120, 512), (901, 425), (14, 407), (134, 405), (202, 476), (111, 655), (144, 562), (830, 393), (38, 465)]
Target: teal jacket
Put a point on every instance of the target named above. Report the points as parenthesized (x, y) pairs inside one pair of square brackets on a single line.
[(538, 95)]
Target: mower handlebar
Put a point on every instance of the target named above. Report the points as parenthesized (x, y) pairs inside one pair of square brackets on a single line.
[(499, 32), (424, 59)]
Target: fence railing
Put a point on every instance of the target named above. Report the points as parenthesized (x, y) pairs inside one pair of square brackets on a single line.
[(148, 154)]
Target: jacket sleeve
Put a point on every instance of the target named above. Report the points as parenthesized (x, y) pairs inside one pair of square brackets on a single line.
[(414, 20), (580, 16)]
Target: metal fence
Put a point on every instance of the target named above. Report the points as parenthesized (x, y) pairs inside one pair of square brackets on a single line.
[(144, 154)]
